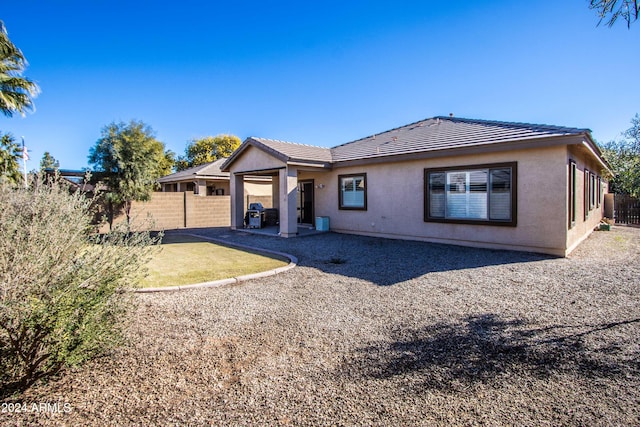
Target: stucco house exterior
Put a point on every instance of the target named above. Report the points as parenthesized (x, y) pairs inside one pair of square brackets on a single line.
[(208, 180), (467, 182)]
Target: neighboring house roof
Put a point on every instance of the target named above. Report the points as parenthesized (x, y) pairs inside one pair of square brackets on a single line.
[(207, 170), (437, 134)]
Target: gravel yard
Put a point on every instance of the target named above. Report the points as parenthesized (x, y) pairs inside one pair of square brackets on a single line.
[(368, 331)]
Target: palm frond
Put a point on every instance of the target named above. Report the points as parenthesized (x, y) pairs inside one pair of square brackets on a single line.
[(629, 10), (16, 92)]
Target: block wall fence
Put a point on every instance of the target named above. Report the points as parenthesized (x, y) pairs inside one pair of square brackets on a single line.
[(169, 211)]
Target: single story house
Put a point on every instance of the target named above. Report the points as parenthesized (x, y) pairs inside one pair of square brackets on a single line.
[(481, 183), (208, 180)]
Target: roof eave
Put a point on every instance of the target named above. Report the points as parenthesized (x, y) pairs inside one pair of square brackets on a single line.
[(489, 147), (311, 164), (595, 151)]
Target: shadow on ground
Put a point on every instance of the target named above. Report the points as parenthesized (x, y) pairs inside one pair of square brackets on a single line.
[(387, 262), (381, 261), (488, 350)]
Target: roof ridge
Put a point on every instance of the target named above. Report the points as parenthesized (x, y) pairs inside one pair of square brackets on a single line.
[(503, 122), (467, 120)]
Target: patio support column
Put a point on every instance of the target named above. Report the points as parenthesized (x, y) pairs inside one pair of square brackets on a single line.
[(275, 192), (237, 201), (202, 187), (288, 201)]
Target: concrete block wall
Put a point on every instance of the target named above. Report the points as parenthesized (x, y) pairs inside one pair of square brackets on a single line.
[(164, 210), (167, 211), (213, 211)]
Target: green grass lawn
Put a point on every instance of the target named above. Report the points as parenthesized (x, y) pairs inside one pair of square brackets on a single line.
[(185, 260)]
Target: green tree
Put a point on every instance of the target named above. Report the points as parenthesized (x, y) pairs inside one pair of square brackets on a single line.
[(49, 162), (624, 157), (614, 9), (61, 299), (16, 92), (129, 160), (206, 150), (10, 155)]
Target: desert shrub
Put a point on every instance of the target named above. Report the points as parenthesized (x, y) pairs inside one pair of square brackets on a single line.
[(62, 298)]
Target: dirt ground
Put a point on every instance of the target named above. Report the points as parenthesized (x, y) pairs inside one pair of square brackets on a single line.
[(377, 332)]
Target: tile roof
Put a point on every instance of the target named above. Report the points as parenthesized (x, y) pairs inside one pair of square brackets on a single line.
[(443, 133), (429, 135), (207, 170), (297, 152)]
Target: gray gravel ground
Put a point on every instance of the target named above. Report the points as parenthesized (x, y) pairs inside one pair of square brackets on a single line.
[(379, 332)]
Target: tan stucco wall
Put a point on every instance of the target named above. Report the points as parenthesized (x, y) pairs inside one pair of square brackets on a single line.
[(582, 227), (257, 188), (395, 199), (220, 185), (254, 159)]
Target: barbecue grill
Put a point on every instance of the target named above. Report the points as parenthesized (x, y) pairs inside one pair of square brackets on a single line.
[(254, 216)]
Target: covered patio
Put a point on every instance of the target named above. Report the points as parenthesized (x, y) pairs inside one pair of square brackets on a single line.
[(283, 163)]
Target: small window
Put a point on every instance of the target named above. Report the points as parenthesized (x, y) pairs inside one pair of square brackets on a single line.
[(572, 193), (586, 194), (353, 191), (483, 194), (592, 190)]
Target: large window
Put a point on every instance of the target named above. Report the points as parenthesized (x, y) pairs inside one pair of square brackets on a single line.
[(353, 191), (482, 194)]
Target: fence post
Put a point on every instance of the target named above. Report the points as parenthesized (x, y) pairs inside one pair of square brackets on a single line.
[(184, 208)]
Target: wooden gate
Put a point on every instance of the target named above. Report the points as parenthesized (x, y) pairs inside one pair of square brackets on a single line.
[(627, 209)]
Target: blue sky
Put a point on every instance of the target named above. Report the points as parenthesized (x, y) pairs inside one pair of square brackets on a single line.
[(318, 73)]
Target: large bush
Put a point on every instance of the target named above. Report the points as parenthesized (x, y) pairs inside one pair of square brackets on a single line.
[(62, 298)]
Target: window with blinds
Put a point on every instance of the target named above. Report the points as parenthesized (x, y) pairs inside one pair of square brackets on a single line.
[(353, 191), (484, 194)]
